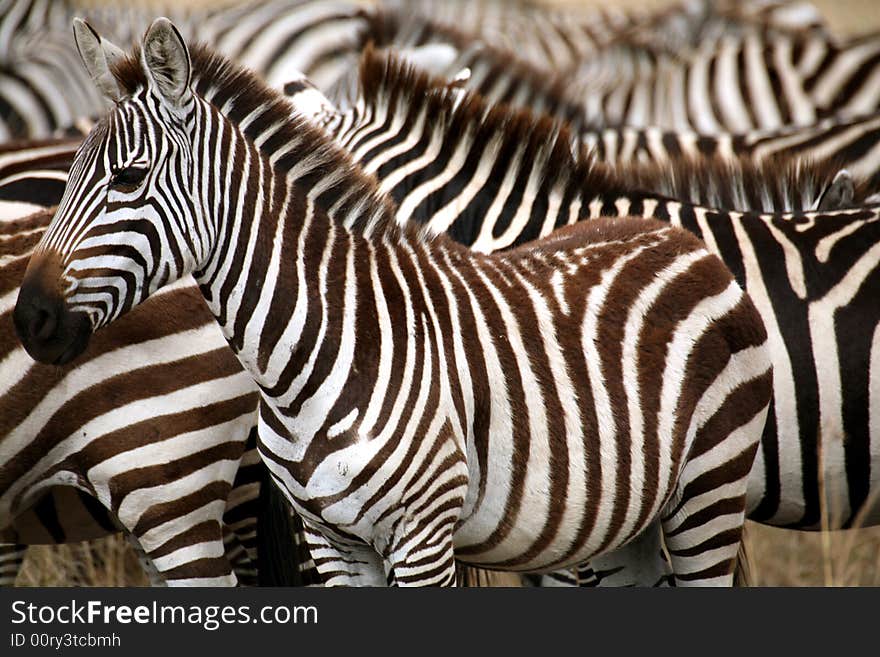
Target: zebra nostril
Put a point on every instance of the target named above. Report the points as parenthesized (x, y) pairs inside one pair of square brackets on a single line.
[(43, 324)]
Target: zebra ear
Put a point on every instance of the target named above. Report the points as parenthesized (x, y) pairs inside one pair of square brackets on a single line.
[(97, 55), (166, 60), (839, 194)]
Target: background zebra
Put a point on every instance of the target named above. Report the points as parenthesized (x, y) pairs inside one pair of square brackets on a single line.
[(851, 143), (42, 89), (162, 457), (420, 550)]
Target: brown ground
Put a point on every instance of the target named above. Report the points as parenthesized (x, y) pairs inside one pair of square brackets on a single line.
[(778, 557)]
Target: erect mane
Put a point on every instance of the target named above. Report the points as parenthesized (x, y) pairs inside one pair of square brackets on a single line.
[(549, 92), (389, 84), (238, 93), (778, 183)]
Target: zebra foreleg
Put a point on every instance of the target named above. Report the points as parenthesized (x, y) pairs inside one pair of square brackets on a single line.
[(11, 559), (193, 556)]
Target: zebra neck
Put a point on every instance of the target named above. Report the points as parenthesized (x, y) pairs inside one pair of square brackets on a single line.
[(289, 215)]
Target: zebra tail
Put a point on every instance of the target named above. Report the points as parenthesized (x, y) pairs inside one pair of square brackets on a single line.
[(278, 556)]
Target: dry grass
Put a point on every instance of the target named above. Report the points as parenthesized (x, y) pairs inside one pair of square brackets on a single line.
[(778, 557), (106, 562)]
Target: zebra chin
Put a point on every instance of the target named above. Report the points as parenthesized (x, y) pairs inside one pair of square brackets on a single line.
[(48, 330)]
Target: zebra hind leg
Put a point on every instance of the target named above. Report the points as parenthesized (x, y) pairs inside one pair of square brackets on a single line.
[(703, 522), (348, 565)]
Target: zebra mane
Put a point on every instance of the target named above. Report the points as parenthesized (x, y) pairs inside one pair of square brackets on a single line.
[(389, 84), (549, 91), (238, 93), (777, 183)]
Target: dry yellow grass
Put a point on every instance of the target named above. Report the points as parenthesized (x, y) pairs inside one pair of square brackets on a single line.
[(779, 557), (105, 562)]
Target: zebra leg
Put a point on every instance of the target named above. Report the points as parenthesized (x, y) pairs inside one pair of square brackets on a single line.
[(419, 558), (11, 559), (348, 565), (703, 521), (194, 555)]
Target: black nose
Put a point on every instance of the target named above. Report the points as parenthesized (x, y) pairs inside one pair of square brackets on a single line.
[(42, 319), (49, 332)]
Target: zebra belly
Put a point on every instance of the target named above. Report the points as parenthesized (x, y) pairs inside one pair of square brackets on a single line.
[(545, 529)]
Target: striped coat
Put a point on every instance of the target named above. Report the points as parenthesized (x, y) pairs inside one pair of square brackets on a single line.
[(388, 414)]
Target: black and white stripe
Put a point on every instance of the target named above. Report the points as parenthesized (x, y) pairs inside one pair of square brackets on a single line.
[(385, 437), (190, 499)]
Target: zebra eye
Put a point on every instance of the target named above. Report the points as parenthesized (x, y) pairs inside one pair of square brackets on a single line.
[(128, 179)]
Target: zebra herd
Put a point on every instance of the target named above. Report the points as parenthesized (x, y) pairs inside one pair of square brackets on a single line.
[(558, 292)]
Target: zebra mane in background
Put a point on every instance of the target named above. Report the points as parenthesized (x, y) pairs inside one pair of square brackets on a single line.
[(532, 152), (775, 184)]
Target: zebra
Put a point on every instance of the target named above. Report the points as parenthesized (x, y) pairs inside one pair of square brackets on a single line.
[(560, 39), (449, 493), (389, 136), (44, 90), (739, 85), (736, 84), (384, 106)]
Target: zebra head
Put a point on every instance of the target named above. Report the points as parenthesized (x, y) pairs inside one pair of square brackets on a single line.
[(121, 230)]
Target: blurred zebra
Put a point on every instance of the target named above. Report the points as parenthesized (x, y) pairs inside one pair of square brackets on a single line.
[(852, 143), (562, 38), (381, 493), (737, 85), (42, 88)]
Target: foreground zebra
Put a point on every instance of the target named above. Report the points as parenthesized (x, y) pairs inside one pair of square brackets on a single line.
[(392, 441)]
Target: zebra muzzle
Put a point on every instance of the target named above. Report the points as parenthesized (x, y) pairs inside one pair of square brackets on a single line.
[(47, 329)]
